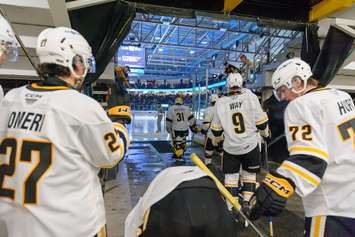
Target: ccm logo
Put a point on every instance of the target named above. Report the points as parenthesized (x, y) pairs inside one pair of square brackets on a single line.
[(278, 186)]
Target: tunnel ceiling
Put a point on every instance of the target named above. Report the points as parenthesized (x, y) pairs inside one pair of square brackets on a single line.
[(289, 10)]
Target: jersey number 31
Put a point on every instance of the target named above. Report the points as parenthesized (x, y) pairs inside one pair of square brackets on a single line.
[(29, 148)]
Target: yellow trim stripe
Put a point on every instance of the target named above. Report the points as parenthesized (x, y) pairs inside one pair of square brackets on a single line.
[(145, 219), (248, 180), (261, 121), (300, 173), (102, 232), (310, 149), (36, 86), (316, 226), (216, 127), (231, 185)]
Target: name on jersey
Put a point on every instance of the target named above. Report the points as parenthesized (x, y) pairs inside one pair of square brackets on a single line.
[(345, 106), (235, 105), (26, 120)]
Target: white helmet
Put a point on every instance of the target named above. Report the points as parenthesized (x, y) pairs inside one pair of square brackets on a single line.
[(214, 98), (289, 69), (63, 46), (179, 100), (8, 42), (234, 80)]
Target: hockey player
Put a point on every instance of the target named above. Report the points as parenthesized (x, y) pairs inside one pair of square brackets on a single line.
[(53, 140), (181, 202), (178, 120), (239, 117), (8, 45), (210, 143), (319, 127)]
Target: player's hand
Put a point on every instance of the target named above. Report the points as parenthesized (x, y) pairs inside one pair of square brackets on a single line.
[(195, 129), (204, 131), (271, 197)]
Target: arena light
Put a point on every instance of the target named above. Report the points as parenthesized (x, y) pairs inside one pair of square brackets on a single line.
[(198, 88)]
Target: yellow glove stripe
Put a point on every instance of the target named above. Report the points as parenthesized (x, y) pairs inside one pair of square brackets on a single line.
[(120, 110), (280, 185)]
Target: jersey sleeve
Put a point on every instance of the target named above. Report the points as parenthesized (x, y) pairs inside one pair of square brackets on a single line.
[(123, 135), (261, 118), (190, 117), (216, 126), (1, 94), (308, 154), (102, 145), (207, 119), (169, 119)]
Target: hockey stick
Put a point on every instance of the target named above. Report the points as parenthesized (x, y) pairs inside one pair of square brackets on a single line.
[(194, 158), (21, 43), (266, 159)]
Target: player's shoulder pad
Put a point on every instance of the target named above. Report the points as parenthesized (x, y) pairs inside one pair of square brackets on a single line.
[(80, 106)]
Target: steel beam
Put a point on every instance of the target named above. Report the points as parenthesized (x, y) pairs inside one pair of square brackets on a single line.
[(208, 28), (229, 5), (327, 7), (78, 4)]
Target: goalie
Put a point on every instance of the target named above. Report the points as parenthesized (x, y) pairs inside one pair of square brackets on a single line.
[(178, 121)]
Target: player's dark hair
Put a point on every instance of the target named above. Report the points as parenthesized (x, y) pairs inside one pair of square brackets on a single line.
[(234, 90), (312, 81), (53, 70)]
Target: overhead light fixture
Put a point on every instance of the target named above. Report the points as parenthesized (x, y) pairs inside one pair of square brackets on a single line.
[(160, 49), (204, 42), (192, 51)]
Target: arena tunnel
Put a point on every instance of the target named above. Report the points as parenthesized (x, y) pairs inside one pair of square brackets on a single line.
[(155, 57)]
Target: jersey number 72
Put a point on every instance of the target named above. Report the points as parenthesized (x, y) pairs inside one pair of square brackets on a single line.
[(43, 149), (346, 128)]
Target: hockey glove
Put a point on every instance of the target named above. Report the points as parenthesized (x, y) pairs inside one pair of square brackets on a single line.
[(271, 197), (204, 131), (195, 129), (121, 114)]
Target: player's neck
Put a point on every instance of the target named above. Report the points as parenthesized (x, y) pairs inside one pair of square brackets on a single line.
[(309, 88)]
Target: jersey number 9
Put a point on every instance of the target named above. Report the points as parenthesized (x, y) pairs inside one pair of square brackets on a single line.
[(238, 123)]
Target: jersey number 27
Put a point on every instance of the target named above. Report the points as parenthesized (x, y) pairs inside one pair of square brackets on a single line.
[(43, 150)]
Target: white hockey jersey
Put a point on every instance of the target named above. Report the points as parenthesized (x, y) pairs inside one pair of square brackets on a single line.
[(321, 124), (165, 182), (1, 93), (52, 142), (208, 115), (179, 118), (238, 115)]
